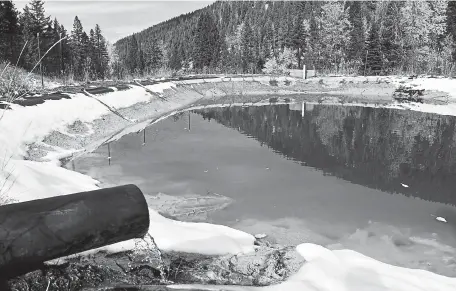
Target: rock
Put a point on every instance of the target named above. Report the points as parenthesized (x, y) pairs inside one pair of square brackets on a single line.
[(147, 268), (139, 267), (408, 93), (260, 235), (78, 127), (266, 266)]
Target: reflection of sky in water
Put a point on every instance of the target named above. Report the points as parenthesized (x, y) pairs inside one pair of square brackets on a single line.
[(289, 202)]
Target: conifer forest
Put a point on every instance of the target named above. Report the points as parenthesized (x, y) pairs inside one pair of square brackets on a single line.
[(333, 37)]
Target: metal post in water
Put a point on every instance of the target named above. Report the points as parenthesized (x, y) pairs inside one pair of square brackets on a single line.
[(189, 121), (303, 108), (144, 140), (109, 155)]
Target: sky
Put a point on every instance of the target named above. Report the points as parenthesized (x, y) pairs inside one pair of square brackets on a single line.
[(117, 19)]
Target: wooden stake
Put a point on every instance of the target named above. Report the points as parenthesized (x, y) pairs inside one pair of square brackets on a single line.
[(61, 56), (39, 58)]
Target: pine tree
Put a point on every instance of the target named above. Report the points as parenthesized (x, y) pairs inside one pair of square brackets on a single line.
[(100, 53), (77, 47), (415, 22), (93, 55), (357, 40), (390, 38), (50, 63), (39, 21), (41, 25), (140, 61), (85, 57), (300, 38), (9, 31), (33, 22), (247, 48), (54, 57), (152, 55), (156, 55), (25, 21), (373, 62), (175, 60), (334, 35), (268, 40), (64, 47), (225, 62), (104, 62), (288, 30), (132, 56), (314, 36), (207, 42), (451, 25), (117, 63), (436, 37)]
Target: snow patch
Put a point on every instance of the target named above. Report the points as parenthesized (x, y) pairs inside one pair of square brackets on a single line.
[(189, 237), (29, 180), (160, 87), (431, 84)]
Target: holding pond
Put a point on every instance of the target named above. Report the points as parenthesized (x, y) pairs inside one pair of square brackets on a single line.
[(329, 175)]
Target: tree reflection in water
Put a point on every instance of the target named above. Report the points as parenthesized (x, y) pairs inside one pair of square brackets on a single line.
[(375, 147)]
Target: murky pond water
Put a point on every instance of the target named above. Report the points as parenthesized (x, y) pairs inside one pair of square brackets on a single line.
[(371, 180)]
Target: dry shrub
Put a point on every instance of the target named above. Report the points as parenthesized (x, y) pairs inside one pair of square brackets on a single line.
[(14, 82)]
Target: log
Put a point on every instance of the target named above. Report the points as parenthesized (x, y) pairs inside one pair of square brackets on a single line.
[(34, 232)]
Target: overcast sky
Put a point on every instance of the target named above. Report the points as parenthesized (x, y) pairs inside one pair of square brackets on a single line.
[(116, 18)]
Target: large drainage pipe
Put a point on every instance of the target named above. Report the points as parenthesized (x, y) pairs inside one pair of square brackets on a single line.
[(41, 230)]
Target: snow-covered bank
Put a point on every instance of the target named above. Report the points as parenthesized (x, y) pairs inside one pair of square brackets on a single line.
[(24, 125)]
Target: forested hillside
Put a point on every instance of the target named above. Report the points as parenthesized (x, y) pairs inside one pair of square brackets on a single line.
[(78, 55), (372, 37), (345, 37)]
